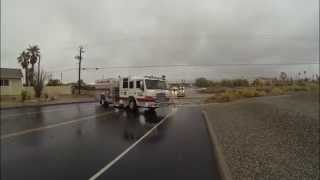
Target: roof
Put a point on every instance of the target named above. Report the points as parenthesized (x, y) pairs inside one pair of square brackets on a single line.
[(10, 73)]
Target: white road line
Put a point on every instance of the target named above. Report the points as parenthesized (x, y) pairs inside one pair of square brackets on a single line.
[(52, 126), (105, 168)]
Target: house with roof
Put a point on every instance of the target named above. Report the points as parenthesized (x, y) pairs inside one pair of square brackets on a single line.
[(10, 81)]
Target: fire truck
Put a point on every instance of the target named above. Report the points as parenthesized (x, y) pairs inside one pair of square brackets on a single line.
[(133, 92)]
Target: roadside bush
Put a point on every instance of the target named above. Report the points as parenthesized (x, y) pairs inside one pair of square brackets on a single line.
[(231, 95), (314, 87), (215, 90), (24, 95), (277, 91), (262, 93), (249, 92), (202, 82), (45, 95), (54, 82), (226, 83), (234, 83), (240, 83), (220, 98), (265, 89), (38, 83), (257, 82), (294, 88)]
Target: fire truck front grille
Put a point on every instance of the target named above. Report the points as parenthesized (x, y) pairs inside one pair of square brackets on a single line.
[(161, 97)]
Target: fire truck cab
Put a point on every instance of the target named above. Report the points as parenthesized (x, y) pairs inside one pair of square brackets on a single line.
[(133, 92)]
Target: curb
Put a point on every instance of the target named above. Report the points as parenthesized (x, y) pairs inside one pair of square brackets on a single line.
[(223, 169), (42, 105)]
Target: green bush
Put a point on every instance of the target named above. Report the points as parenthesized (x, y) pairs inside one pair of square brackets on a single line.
[(265, 89), (277, 91), (215, 90), (54, 82), (314, 87), (202, 82), (261, 93), (24, 95)]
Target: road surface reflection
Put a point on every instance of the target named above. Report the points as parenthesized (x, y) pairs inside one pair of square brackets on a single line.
[(136, 124)]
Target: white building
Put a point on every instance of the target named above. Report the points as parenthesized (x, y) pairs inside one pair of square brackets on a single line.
[(10, 81)]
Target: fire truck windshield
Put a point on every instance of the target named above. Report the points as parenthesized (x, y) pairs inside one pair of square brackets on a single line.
[(155, 84)]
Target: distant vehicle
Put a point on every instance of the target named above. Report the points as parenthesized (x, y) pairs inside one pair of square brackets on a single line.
[(174, 91), (133, 92), (181, 92)]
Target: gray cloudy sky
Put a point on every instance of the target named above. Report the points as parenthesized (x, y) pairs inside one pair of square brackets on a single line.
[(146, 32)]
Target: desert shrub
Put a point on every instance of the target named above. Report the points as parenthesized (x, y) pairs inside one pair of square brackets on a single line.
[(226, 83), (295, 88), (215, 90), (214, 83), (45, 95), (240, 83), (231, 95), (261, 93), (266, 89), (202, 82), (277, 91), (248, 92), (24, 95), (314, 87), (257, 82), (301, 83), (38, 83), (54, 82)]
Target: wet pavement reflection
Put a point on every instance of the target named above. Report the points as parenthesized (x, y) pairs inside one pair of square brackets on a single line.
[(137, 124), (95, 137)]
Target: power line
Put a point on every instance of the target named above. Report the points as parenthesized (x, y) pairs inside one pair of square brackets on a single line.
[(202, 65), (186, 65)]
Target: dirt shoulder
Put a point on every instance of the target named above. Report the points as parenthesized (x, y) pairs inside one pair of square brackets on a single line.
[(16, 103), (274, 137)]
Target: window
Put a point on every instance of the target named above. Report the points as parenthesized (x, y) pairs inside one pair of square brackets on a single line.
[(4, 82), (155, 84), (125, 83), (131, 84), (138, 84)]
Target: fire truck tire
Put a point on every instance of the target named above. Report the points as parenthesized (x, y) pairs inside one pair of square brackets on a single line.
[(101, 101), (132, 104), (106, 104)]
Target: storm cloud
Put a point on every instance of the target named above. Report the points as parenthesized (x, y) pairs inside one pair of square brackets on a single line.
[(167, 32)]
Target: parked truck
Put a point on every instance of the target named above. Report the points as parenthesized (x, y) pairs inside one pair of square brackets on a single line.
[(133, 92)]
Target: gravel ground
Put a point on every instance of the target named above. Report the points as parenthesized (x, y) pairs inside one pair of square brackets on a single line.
[(269, 137), (35, 102)]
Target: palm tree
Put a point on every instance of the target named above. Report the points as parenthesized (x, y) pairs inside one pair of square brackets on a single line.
[(23, 59), (34, 55)]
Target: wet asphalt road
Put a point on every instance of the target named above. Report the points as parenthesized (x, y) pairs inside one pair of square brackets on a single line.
[(76, 141)]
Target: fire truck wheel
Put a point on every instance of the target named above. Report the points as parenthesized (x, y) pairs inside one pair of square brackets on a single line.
[(101, 101), (132, 104)]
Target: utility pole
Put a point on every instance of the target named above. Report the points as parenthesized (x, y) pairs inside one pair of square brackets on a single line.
[(61, 77), (80, 59)]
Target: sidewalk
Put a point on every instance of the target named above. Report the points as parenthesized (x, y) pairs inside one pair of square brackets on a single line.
[(7, 104)]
